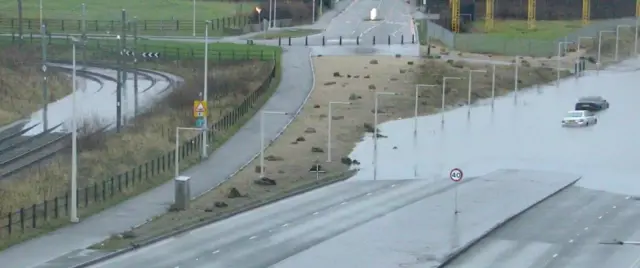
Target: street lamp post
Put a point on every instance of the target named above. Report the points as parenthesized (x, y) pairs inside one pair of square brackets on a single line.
[(375, 132), (579, 39), (516, 73), (262, 138), (635, 39), (329, 127), (193, 27), (469, 90), (493, 85), (270, 12), (205, 90), (73, 215), (600, 47), (415, 127), (444, 86), (275, 13), (560, 44), (615, 57), (176, 156)]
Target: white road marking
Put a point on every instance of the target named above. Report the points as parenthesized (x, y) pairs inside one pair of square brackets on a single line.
[(215, 252), (393, 185), (600, 217), (571, 241), (627, 197), (253, 237), (614, 206), (197, 259), (586, 228), (555, 255), (315, 213), (285, 225), (343, 203), (368, 194)]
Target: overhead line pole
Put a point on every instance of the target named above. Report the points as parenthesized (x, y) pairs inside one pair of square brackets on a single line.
[(125, 94)]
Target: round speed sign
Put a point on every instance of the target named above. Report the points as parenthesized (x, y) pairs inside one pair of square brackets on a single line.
[(456, 174)]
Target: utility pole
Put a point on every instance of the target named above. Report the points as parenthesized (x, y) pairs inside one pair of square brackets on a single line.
[(135, 66), (45, 91), (119, 86), (84, 35), (123, 68), (20, 21)]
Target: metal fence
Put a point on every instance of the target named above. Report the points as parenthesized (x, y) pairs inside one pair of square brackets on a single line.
[(158, 27), (485, 43), (110, 48), (41, 215)]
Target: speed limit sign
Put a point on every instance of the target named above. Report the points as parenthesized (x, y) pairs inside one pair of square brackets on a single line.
[(456, 174)]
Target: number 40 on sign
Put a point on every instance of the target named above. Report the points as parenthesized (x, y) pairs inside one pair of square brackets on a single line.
[(456, 174)]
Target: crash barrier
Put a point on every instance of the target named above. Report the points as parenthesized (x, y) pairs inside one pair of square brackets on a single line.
[(170, 52), (317, 40), (53, 210)]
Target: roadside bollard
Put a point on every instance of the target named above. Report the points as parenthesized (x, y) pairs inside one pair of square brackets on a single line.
[(413, 39), (402, 39), (306, 40), (389, 39), (323, 41), (357, 40), (374, 39), (289, 40), (279, 41), (340, 40)]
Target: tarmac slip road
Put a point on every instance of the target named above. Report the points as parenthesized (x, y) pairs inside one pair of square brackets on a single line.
[(340, 225), (394, 18), (563, 232)]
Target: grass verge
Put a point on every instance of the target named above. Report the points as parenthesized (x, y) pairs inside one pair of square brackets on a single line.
[(149, 136), (21, 84), (302, 146), (545, 29)]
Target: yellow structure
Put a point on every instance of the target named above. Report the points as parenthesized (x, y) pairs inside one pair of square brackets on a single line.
[(531, 14), (637, 8), (455, 16), (488, 17), (586, 11)]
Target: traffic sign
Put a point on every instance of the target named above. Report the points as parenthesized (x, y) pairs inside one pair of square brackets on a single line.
[(456, 174), (199, 121), (199, 108), (44, 68)]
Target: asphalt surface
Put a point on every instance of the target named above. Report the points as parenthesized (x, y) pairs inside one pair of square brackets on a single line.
[(564, 231), (354, 224)]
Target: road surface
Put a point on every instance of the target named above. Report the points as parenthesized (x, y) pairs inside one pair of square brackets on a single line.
[(374, 224), (563, 232)]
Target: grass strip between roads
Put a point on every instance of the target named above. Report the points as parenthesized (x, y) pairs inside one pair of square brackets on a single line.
[(53, 224)]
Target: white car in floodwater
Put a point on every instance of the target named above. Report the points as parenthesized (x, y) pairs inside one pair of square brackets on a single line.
[(579, 119)]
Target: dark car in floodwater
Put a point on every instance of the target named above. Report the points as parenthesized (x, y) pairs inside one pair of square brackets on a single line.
[(592, 104)]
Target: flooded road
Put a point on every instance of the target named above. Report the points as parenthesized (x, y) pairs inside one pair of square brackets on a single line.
[(524, 133)]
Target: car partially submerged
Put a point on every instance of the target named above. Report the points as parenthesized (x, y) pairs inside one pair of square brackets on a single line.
[(592, 103), (579, 119)]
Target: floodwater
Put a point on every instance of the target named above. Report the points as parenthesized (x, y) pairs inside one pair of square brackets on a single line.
[(521, 131), (97, 102)]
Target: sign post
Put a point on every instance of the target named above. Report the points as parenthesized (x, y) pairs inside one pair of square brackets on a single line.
[(456, 176), (199, 112)]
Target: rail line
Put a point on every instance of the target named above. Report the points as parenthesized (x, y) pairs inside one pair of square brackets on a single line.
[(18, 152)]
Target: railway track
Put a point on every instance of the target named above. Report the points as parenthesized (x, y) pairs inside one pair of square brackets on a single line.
[(19, 152)]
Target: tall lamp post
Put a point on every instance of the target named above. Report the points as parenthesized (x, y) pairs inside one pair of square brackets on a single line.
[(469, 90), (262, 138), (73, 215), (600, 47), (205, 90), (415, 127), (375, 133), (560, 44), (444, 94), (193, 27), (331, 103), (615, 57)]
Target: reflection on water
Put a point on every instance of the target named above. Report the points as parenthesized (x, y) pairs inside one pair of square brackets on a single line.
[(525, 135)]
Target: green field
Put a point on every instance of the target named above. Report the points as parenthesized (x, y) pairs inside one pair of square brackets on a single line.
[(545, 29), (111, 9)]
